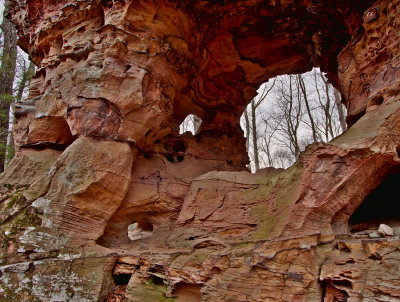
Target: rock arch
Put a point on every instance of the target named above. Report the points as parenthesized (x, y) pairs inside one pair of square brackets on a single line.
[(124, 75)]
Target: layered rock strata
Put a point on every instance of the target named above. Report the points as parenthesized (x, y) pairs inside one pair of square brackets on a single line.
[(106, 201)]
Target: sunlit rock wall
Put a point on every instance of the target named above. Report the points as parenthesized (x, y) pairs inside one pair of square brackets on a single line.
[(105, 200)]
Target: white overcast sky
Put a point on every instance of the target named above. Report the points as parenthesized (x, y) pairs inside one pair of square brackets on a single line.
[(1, 10)]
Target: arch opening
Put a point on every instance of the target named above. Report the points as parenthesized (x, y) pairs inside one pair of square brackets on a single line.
[(288, 113), (139, 230), (191, 124), (381, 206)]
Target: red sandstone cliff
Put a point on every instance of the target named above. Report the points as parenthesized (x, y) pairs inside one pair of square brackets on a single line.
[(102, 151)]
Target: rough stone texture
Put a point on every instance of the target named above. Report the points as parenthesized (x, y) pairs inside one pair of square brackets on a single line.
[(369, 66), (102, 151)]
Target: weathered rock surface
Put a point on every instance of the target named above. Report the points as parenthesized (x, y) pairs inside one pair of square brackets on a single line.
[(102, 151)]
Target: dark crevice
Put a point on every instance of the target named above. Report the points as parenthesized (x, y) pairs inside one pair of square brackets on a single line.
[(101, 14), (378, 100), (323, 289), (145, 226), (122, 279), (157, 280), (170, 158), (331, 293), (343, 283), (45, 145), (352, 119), (380, 206)]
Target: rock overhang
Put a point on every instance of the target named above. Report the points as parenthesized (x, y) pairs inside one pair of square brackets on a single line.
[(115, 80)]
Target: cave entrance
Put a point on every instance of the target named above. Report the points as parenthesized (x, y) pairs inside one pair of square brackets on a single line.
[(382, 205), (122, 279), (289, 113)]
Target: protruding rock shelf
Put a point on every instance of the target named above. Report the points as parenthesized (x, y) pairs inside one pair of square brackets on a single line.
[(106, 201)]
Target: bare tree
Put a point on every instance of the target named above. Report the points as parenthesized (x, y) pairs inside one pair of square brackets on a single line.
[(329, 111), (270, 129), (282, 158), (291, 114), (307, 103), (302, 109), (251, 126), (7, 74), (340, 110), (247, 129), (326, 106), (26, 70)]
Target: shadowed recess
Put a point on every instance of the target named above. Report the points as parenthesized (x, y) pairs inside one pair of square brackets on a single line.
[(381, 206), (187, 292)]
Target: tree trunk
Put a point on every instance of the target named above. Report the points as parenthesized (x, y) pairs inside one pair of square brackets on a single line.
[(294, 120), (25, 80), (246, 118), (310, 116), (27, 75), (339, 107), (254, 133), (7, 73), (328, 117)]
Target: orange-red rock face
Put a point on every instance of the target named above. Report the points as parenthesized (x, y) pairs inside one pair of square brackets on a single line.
[(105, 199), (369, 64)]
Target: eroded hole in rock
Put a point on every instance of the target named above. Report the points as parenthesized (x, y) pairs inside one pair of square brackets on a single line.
[(170, 158), (342, 283), (380, 206), (176, 150), (139, 230), (49, 132), (122, 279), (332, 293), (191, 123), (156, 280), (289, 113), (378, 100), (186, 292)]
